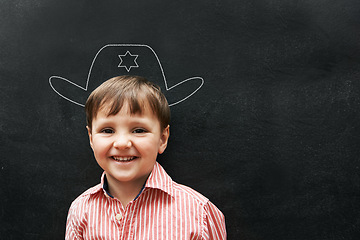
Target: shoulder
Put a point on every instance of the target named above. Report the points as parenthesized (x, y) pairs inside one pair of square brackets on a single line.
[(81, 203), (79, 211), (183, 195), (213, 220), (161, 180), (182, 191)]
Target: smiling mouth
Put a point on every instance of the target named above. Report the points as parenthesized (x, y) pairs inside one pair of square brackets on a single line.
[(123, 159)]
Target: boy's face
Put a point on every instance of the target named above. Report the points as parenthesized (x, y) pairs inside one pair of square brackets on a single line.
[(126, 146)]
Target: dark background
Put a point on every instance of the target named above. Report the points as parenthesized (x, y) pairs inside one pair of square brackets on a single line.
[(272, 138)]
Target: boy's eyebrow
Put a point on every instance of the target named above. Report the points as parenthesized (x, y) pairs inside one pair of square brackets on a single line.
[(138, 121), (133, 120)]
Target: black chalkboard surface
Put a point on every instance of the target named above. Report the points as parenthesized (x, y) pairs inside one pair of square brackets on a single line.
[(267, 125)]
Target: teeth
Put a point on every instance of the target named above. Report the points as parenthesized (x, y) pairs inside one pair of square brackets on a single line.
[(123, 158)]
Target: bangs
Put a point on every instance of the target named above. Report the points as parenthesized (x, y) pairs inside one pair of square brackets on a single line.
[(136, 101)]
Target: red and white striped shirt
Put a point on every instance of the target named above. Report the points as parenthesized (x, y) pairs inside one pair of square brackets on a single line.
[(163, 210)]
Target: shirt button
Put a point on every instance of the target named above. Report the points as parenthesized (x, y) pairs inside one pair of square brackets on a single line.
[(118, 216)]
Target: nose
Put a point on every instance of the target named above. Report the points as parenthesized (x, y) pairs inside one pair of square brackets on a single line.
[(122, 142)]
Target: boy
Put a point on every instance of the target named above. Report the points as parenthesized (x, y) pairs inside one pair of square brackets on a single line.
[(128, 125)]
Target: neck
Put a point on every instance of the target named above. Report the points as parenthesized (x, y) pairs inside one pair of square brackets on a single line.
[(125, 192)]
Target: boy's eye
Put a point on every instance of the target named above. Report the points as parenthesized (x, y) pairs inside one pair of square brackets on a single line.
[(139, 130), (107, 130)]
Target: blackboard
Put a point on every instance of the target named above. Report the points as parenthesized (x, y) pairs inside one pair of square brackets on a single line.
[(271, 135)]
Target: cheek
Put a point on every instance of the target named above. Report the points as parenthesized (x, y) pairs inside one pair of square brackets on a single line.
[(148, 146), (100, 146)]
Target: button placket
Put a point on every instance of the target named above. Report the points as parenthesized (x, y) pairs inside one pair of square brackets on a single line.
[(117, 212)]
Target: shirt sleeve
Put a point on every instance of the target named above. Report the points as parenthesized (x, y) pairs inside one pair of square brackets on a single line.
[(73, 225), (214, 223)]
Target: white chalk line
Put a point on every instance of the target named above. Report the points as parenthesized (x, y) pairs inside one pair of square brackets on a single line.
[(121, 61), (125, 45)]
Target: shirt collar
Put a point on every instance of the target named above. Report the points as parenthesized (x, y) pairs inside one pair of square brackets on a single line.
[(104, 185), (158, 179)]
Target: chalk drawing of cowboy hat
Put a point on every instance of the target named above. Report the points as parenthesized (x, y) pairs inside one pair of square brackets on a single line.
[(125, 59)]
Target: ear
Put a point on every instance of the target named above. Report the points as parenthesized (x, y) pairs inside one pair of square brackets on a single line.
[(90, 136), (164, 139)]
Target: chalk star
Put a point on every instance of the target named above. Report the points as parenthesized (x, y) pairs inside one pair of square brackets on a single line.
[(129, 61)]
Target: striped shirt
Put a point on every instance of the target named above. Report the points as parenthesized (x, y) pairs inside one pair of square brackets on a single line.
[(163, 210)]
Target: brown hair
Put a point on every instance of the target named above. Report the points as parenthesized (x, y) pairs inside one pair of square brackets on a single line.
[(135, 91)]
